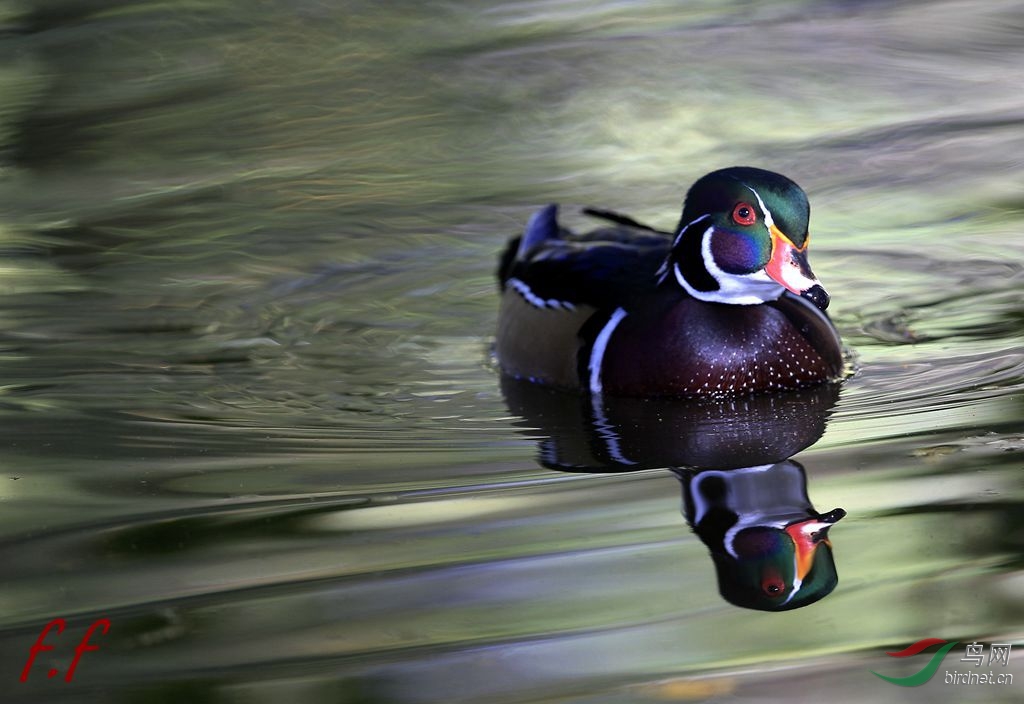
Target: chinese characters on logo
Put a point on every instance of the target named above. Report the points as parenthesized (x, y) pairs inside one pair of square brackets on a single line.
[(998, 653)]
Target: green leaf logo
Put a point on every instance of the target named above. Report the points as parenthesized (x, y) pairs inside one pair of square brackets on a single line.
[(927, 671)]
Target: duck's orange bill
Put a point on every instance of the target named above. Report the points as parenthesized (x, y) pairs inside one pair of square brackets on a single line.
[(806, 535), (788, 265)]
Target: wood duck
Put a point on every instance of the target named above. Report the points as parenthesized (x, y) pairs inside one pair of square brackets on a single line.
[(726, 304), (770, 547), (743, 495)]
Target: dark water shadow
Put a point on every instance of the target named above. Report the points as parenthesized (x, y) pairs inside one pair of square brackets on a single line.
[(743, 495)]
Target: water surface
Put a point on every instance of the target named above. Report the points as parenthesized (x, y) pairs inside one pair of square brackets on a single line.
[(248, 409)]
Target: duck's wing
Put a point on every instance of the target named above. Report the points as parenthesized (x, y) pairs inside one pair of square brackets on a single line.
[(553, 268)]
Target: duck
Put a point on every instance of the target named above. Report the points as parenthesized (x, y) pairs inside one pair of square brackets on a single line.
[(744, 496), (725, 304), (770, 548)]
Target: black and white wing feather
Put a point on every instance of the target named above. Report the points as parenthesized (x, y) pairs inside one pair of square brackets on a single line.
[(553, 268)]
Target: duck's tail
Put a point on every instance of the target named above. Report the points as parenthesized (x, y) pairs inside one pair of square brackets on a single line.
[(542, 226)]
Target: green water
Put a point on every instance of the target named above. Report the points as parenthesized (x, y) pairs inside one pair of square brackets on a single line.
[(246, 301)]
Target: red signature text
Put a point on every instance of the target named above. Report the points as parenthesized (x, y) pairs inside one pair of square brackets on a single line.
[(83, 646)]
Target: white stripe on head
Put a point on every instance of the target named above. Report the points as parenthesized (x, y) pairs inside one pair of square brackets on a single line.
[(768, 220), (797, 581), (598, 350), (685, 227)]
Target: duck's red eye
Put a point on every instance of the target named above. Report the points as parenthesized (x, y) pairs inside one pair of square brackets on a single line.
[(744, 214), (773, 586)]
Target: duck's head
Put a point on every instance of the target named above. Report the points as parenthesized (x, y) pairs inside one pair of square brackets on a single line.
[(743, 239), (779, 568)]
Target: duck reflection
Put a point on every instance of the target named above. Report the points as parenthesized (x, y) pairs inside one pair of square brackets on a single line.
[(770, 547), (742, 494)]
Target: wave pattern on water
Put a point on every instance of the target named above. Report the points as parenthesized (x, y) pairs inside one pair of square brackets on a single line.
[(248, 298)]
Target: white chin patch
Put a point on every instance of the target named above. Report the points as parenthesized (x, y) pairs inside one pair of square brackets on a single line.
[(737, 289)]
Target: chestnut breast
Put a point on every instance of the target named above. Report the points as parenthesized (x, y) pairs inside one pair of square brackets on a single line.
[(689, 347)]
